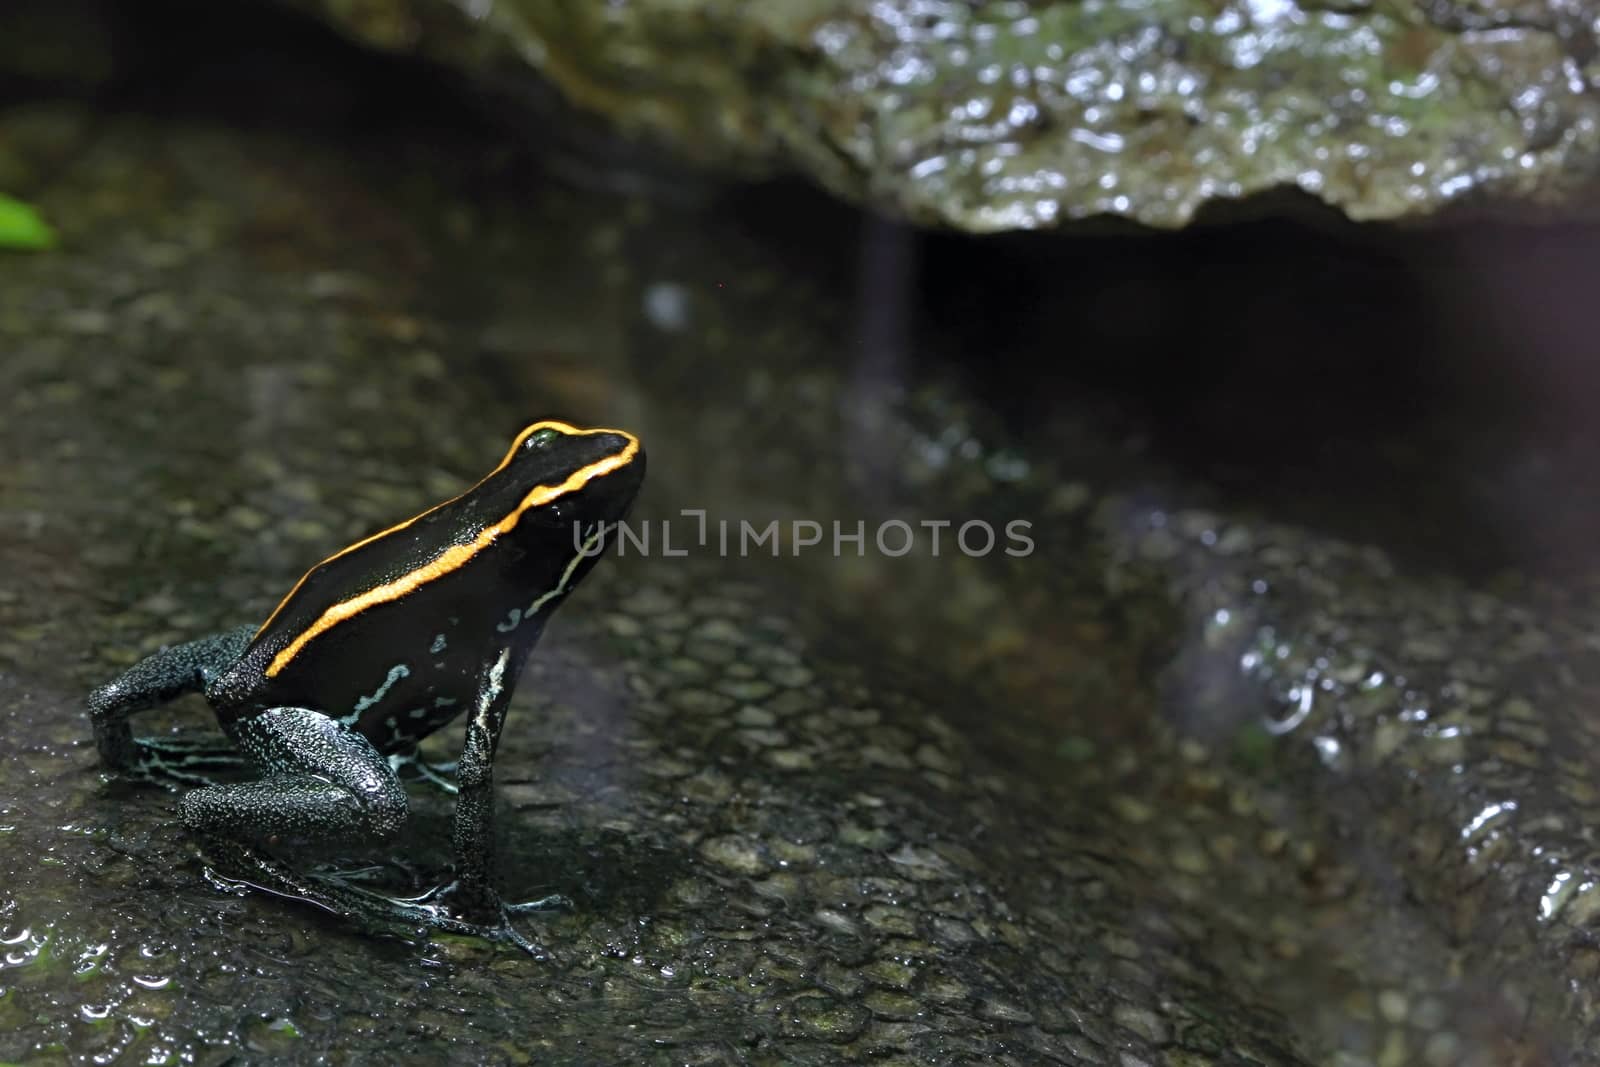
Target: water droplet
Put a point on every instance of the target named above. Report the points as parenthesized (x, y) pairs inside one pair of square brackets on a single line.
[(1555, 895)]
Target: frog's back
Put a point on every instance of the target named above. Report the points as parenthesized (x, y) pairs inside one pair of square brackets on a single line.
[(399, 614), (400, 626)]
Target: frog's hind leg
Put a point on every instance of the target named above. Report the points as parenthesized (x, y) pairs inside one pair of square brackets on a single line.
[(324, 781), (321, 780), (155, 680), (472, 836)]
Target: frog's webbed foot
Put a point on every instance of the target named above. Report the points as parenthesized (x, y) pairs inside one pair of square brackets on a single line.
[(239, 867), (181, 762), (484, 902), (503, 931), (376, 913), (553, 902)]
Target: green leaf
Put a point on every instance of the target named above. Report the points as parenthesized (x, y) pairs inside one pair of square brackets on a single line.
[(22, 228), (1075, 749)]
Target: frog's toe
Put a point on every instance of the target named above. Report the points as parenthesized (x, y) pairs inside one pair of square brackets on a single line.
[(181, 762), (553, 902), (504, 931), (165, 778), (509, 933), (389, 869), (154, 770), (483, 904), (444, 908), (411, 767), (440, 918)]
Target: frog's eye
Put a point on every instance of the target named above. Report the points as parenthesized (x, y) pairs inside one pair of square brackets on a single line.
[(540, 438)]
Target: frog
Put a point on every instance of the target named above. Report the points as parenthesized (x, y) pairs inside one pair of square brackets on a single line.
[(375, 648)]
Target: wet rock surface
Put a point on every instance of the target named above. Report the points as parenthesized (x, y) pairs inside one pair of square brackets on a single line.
[(774, 850), (1006, 116), (1190, 783)]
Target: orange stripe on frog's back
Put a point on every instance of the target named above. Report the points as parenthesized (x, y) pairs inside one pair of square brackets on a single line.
[(454, 557)]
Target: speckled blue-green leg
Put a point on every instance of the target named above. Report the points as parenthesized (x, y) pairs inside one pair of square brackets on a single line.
[(324, 781), (155, 680), (321, 781)]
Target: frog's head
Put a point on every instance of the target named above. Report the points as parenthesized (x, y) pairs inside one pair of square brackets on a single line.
[(576, 485), (552, 503), (572, 474)]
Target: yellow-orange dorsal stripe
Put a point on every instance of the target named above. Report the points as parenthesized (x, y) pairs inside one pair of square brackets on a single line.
[(455, 556), (512, 451)]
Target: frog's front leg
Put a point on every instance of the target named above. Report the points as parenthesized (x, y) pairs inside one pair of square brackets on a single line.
[(472, 834), (155, 680)]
